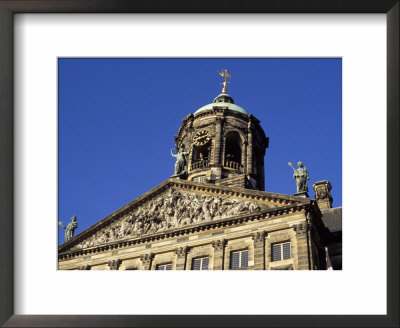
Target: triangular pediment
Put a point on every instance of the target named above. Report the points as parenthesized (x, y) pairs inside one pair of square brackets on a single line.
[(177, 204)]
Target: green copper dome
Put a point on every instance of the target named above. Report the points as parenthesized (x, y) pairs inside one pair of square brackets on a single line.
[(225, 100)]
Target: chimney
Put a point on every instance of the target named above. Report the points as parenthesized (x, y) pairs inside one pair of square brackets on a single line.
[(322, 194)]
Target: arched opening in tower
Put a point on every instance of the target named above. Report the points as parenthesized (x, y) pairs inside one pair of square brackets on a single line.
[(201, 153), (233, 149)]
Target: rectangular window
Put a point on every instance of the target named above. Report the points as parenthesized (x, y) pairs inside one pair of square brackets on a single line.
[(200, 264), (281, 251), (167, 266), (239, 259), (201, 178)]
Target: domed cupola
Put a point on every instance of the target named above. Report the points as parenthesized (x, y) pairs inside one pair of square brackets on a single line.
[(222, 144), (223, 98)]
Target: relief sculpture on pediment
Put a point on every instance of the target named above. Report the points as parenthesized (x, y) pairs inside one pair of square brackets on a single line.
[(172, 210)]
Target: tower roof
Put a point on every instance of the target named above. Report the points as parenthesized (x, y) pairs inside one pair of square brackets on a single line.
[(223, 99)]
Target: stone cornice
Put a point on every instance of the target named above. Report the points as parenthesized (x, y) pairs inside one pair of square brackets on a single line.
[(246, 194), (235, 220)]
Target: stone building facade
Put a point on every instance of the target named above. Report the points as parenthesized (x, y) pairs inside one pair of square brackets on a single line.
[(215, 214)]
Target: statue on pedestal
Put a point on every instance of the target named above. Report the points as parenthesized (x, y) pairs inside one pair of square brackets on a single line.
[(180, 160), (69, 229), (301, 176)]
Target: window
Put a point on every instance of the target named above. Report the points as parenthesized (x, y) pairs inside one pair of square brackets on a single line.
[(281, 251), (233, 149), (167, 266), (201, 178), (200, 264), (239, 259), (201, 153)]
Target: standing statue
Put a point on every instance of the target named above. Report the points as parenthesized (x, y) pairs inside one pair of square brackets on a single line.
[(69, 229), (301, 176), (180, 160)]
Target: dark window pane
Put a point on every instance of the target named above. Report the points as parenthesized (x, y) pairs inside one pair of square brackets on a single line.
[(160, 267), (276, 252), (286, 251), (245, 258), (235, 260), (204, 265), (168, 267), (196, 264)]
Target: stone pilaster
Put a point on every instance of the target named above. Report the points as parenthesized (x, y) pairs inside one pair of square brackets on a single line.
[(259, 250), (114, 264), (146, 261), (218, 140), (304, 257), (249, 169), (219, 250), (189, 129), (181, 258)]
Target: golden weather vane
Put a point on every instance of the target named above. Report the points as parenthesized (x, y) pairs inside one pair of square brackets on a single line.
[(224, 73)]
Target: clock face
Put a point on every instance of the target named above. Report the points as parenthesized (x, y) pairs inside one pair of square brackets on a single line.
[(201, 138)]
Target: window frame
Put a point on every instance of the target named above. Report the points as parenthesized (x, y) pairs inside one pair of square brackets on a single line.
[(280, 244), (163, 265), (240, 252), (202, 258)]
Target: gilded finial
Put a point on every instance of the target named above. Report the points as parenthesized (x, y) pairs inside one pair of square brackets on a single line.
[(224, 73)]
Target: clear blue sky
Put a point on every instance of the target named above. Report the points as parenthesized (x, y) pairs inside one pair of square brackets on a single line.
[(118, 118)]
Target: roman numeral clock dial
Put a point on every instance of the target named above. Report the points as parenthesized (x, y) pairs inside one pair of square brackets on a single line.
[(201, 138)]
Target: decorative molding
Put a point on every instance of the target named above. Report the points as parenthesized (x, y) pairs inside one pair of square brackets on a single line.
[(219, 119), (218, 244), (181, 252), (234, 128), (322, 190), (166, 185), (174, 209), (146, 258), (259, 238), (208, 126), (268, 214), (114, 264), (301, 230)]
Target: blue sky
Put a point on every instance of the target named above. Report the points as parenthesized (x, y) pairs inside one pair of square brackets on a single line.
[(117, 119)]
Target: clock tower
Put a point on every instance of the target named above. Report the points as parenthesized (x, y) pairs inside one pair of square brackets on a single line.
[(224, 145)]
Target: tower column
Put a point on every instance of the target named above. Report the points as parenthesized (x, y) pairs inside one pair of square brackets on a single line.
[(249, 168), (218, 140)]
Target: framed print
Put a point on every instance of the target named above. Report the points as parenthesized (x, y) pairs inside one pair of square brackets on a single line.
[(36, 51)]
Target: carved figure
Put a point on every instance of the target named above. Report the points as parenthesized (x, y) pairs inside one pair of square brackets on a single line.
[(180, 160), (172, 210), (69, 229), (301, 176)]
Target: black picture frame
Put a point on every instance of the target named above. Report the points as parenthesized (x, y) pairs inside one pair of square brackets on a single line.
[(10, 7)]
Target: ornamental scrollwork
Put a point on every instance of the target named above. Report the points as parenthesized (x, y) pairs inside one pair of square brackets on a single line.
[(114, 264), (174, 209)]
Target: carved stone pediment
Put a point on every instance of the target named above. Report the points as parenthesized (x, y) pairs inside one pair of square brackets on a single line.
[(171, 210), (175, 205)]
